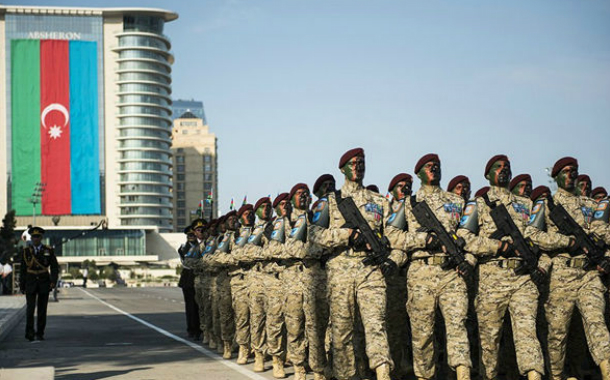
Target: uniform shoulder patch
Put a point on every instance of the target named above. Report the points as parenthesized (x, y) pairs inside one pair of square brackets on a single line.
[(602, 211), (537, 218)]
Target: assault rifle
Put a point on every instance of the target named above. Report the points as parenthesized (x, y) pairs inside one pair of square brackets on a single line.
[(589, 244), (379, 244), (452, 243), (526, 249)]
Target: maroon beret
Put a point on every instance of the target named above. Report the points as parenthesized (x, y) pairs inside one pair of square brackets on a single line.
[(482, 191), (244, 208), (427, 158), (261, 201), (457, 179), (538, 191), (374, 188), (230, 213), (515, 181), (279, 198), (583, 177), (297, 187), (222, 219), (399, 178), (349, 155), (562, 163), (323, 178), (598, 190), (491, 161)]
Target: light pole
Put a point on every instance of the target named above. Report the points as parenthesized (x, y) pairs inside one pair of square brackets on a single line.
[(36, 198)]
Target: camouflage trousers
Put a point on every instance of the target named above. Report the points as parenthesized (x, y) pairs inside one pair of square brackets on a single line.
[(353, 285), (225, 308), (241, 309), (258, 308), (200, 299), (429, 287), (569, 288), (399, 334), (214, 303), (274, 326), (500, 289), (306, 314)]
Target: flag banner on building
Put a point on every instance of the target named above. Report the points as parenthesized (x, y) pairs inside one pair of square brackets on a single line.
[(54, 119)]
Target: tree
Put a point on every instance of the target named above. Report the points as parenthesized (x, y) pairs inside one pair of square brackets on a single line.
[(8, 241)]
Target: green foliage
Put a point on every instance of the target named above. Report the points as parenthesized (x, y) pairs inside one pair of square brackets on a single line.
[(8, 241), (75, 273), (110, 273)]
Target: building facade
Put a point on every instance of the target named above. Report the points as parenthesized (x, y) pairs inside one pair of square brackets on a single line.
[(86, 124), (181, 106), (195, 157)]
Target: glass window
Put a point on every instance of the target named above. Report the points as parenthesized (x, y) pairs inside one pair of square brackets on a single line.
[(180, 159), (180, 177), (181, 204)]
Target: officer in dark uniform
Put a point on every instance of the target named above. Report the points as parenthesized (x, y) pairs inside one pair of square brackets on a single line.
[(187, 283), (36, 281)]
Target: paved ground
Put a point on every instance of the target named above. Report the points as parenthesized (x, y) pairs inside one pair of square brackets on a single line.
[(118, 333)]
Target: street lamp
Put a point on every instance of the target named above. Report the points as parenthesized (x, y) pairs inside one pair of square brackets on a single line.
[(36, 197)]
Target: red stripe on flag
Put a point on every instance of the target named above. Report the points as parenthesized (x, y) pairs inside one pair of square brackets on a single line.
[(55, 126)]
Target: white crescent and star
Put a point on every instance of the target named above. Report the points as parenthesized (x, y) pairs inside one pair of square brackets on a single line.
[(55, 131)]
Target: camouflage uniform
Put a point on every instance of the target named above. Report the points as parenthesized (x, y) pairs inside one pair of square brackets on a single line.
[(500, 288), (306, 307), (208, 293), (402, 241), (570, 284), (354, 285), (239, 278), (223, 287), (428, 285), (252, 255)]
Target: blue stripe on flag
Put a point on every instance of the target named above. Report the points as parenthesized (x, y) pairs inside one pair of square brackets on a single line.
[(84, 145)]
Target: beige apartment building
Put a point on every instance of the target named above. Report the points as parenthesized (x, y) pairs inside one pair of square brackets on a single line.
[(195, 175)]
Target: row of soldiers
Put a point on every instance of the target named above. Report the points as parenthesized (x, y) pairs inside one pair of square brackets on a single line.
[(339, 274)]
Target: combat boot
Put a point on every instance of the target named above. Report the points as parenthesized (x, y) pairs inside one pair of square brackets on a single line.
[(463, 372), (605, 369), (533, 375), (259, 362), (227, 350), (278, 368), (299, 372), (212, 344), (242, 357), (383, 372)]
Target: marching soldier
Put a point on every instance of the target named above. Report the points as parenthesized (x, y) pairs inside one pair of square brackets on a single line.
[(599, 193), (354, 285), (36, 282), (306, 308), (574, 281), (505, 281), (433, 280), (193, 260)]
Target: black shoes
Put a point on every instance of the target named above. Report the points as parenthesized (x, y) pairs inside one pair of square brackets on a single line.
[(39, 337)]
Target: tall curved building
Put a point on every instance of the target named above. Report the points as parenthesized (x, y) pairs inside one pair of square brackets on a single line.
[(86, 103)]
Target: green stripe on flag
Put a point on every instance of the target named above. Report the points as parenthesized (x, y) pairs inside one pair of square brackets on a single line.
[(25, 123)]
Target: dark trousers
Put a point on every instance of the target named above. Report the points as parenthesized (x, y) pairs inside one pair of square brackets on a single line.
[(35, 299), (192, 311)]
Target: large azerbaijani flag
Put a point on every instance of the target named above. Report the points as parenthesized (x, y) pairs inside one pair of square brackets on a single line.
[(54, 112)]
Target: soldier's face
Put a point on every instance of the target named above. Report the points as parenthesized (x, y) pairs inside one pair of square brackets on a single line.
[(326, 187), (264, 211), (36, 239), (500, 174), (566, 179), (231, 223), (463, 190), (199, 233), (354, 169), (283, 208), (191, 237), (301, 199), (523, 189), (583, 188), (247, 218), (430, 173), (222, 228), (402, 190), (599, 196)]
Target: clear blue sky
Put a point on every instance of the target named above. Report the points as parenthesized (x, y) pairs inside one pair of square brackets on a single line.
[(289, 85)]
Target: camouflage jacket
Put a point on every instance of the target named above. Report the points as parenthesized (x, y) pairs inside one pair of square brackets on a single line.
[(403, 240)]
